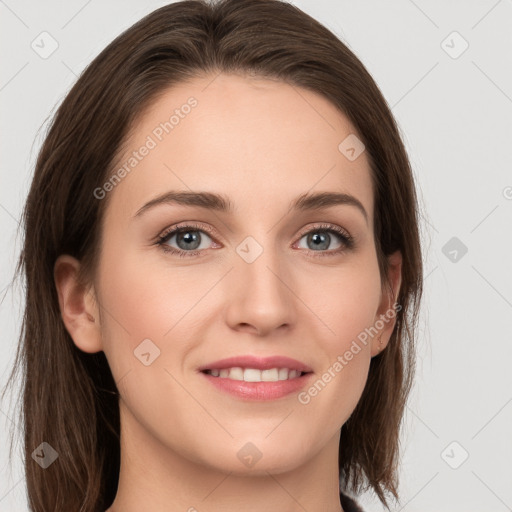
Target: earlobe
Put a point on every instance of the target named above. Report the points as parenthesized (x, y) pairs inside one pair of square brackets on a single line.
[(78, 306), (386, 316)]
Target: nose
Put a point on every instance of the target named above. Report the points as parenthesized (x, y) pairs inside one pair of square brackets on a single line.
[(259, 295)]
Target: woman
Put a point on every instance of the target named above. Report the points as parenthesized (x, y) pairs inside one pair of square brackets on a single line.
[(223, 273)]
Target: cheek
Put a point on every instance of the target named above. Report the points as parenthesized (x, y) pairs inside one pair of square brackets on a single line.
[(141, 301), (146, 316), (345, 300), (147, 299), (346, 303), (334, 393)]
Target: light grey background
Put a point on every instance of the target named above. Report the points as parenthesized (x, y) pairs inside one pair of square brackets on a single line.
[(455, 112)]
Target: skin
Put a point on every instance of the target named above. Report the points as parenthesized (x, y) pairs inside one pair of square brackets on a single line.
[(262, 143)]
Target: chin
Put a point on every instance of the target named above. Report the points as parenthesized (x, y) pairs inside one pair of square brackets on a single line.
[(250, 458)]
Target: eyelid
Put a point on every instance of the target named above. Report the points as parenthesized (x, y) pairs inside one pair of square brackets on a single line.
[(171, 231), (346, 238), (184, 225), (326, 227), (211, 231)]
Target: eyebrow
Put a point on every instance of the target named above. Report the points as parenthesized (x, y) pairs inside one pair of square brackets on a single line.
[(222, 203)]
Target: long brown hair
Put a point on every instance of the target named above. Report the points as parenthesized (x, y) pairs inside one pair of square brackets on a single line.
[(70, 399)]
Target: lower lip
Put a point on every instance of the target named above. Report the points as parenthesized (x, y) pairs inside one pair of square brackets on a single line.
[(259, 390)]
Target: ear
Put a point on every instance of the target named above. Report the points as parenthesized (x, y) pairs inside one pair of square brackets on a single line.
[(386, 311), (78, 305)]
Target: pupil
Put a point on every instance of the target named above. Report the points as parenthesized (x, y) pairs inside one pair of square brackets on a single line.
[(320, 240), (188, 237)]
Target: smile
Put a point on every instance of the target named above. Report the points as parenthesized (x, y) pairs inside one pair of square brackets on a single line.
[(254, 374)]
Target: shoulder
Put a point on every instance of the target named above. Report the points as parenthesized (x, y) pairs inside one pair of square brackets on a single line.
[(349, 504)]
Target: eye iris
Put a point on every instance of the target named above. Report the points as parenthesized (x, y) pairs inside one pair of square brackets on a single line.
[(320, 239), (188, 236)]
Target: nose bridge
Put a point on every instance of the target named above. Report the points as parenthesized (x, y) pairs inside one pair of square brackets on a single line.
[(260, 295)]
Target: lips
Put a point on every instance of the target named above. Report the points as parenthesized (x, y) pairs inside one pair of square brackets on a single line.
[(257, 363), (257, 378)]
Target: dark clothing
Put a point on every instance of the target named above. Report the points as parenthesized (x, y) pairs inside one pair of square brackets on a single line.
[(349, 504)]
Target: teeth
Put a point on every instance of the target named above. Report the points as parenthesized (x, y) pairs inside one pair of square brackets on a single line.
[(235, 373), (283, 373), (270, 375), (249, 374), (255, 375)]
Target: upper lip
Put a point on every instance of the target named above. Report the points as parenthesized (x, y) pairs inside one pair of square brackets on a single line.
[(260, 363)]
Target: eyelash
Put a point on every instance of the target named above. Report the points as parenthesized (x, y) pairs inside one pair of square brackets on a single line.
[(346, 239)]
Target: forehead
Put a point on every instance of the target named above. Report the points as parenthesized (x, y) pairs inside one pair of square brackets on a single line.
[(260, 142)]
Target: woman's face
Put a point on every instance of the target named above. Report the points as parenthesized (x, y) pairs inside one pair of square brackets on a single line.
[(254, 275)]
